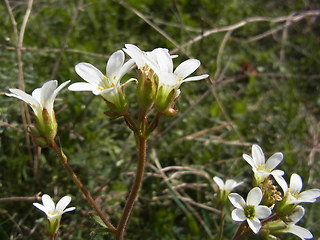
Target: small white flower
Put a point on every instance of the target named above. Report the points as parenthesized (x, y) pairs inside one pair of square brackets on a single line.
[(139, 56), (169, 80), (226, 186), (41, 98), (107, 86), (263, 169), (249, 210), (294, 193), (52, 211), (162, 65), (297, 230)]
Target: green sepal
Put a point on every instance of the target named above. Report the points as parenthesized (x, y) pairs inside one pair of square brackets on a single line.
[(118, 108), (146, 90), (164, 100), (54, 225)]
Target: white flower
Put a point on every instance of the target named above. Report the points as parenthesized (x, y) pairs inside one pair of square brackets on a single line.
[(41, 98), (169, 80), (139, 56), (52, 211), (249, 210), (107, 86), (293, 228), (294, 193), (162, 64), (263, 169), (228, 185)]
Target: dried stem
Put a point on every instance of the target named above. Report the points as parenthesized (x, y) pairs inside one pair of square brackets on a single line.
[(19, 42)]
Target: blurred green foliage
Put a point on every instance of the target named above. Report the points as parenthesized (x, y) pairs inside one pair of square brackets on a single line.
[(267, 92)]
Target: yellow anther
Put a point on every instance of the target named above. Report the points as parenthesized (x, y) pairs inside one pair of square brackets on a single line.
[(105, 78), (100, 88)]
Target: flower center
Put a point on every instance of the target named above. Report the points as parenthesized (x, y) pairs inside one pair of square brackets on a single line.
[(104, 84), (295, 194), (261, 167), (249, 211)]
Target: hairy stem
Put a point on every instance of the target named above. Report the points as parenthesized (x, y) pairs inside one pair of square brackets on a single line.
[(77, 181), (221, 222), (141, 151)]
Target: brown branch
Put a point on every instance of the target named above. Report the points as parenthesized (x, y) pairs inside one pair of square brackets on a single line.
[(186, 201), (19, 42), (55, 50), (291, 17), (22, 199), (144, 18)]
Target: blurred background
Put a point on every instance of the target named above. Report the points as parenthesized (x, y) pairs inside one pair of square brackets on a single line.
[(263, 61)]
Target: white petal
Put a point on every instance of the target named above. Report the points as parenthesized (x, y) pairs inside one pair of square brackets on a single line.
[(274, 161), (89, 73), (36, 94), (114, 64), (249, 160), (230, 184), (46, 92), (277, 172), (48, 203), (17, 93), (262, 212), (298, 214), (309, 195), (258, 155), (63, 203), (164, 60), (48, 104), (186, 68), (81, 86), (125, 68), (254, 224), (219, 182), (169, 79), (281, 181), (254, 197), (295, 183), (299, 231), (41, 207), (69, 209), (236, 200), (56, 91), (238, 215), (136, 54), (283, 184), (195, 78)]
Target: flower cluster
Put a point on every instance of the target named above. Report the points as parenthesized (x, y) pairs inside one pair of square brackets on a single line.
[(286, 212), (157, 82)]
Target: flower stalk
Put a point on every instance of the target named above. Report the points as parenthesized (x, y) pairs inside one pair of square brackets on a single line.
[(93, 204), (141, 152)]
